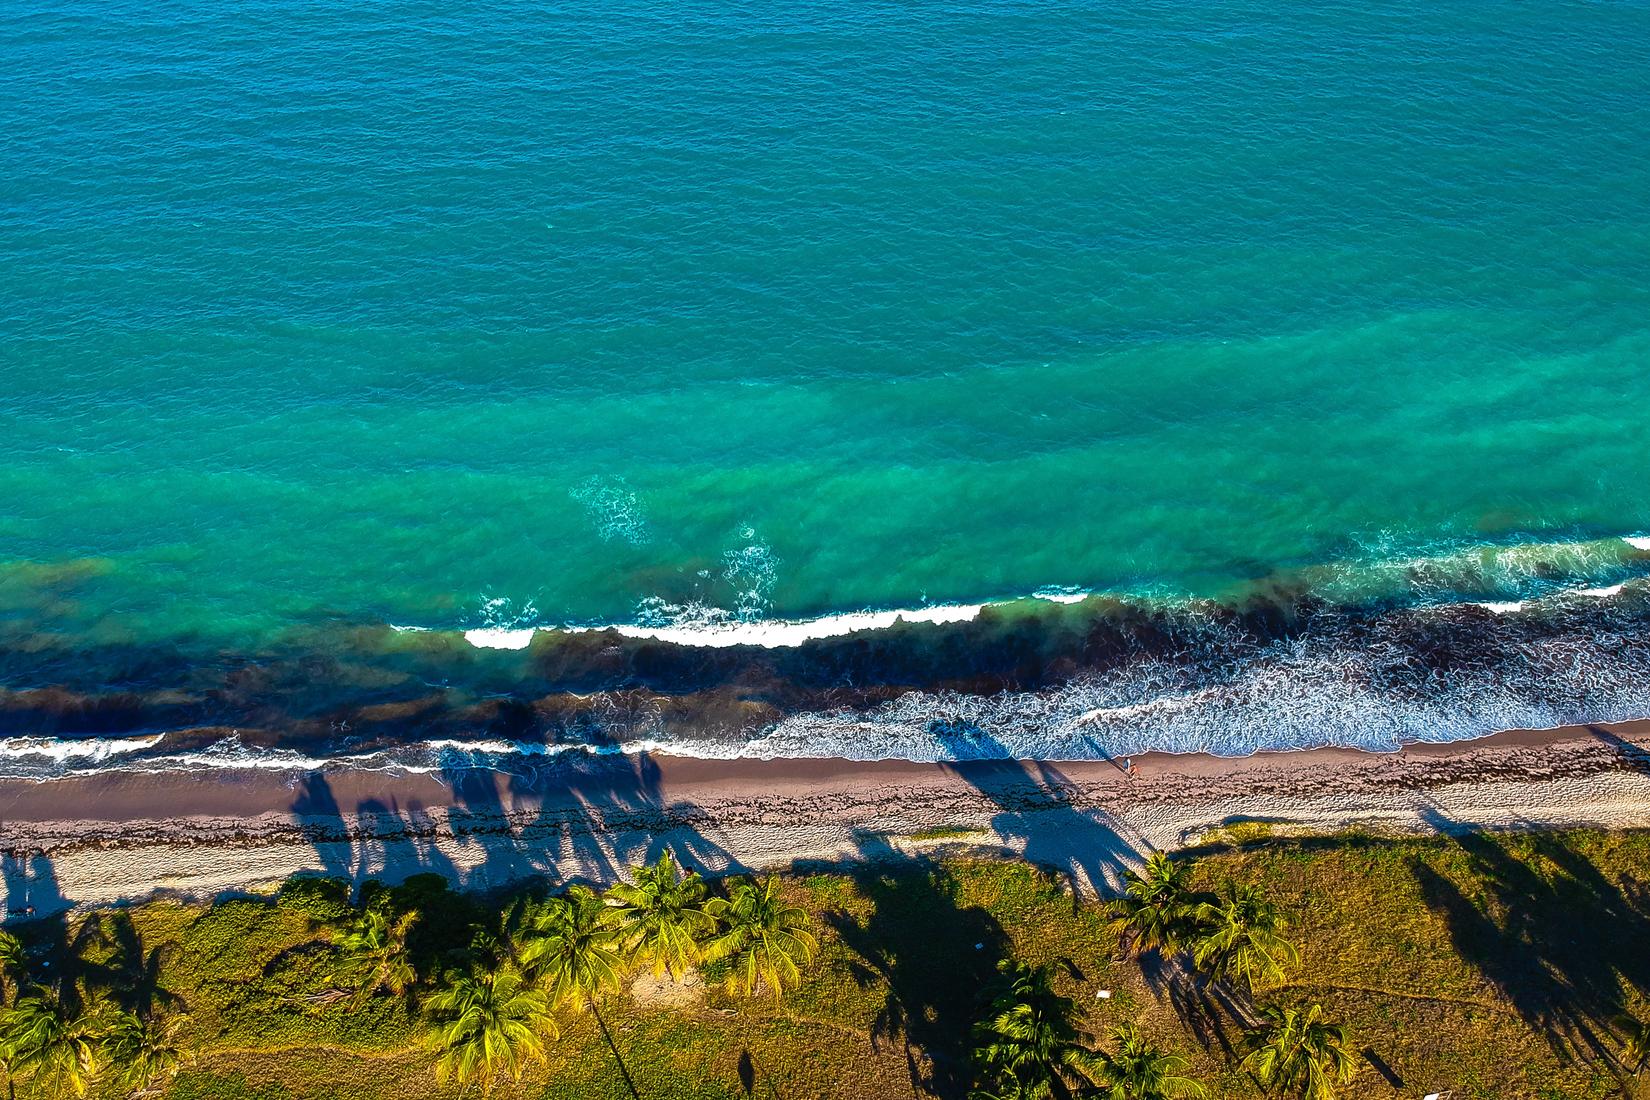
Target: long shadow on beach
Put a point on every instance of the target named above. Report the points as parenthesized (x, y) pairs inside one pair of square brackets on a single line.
[(1632, 757), (31, 886), (573, 817), (1039, 813)]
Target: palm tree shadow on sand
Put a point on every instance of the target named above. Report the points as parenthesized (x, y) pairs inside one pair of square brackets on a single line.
[(1040, 814), (31, 886), (572, 817)]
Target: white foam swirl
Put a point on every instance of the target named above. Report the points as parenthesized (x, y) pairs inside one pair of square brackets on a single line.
[(56, 750), (719, 633)]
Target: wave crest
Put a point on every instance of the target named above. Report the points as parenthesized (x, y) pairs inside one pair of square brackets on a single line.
[(1191, 679)]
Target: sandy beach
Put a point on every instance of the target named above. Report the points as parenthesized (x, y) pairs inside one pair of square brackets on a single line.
[(125, 837)]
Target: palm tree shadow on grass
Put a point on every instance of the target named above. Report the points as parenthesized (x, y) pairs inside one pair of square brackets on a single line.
[(131, 972), (39, 914), (933, 956), (1560, 940), (1193, 999)]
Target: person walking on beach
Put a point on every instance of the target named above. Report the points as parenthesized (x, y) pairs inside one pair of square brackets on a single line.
[(1128, 766)]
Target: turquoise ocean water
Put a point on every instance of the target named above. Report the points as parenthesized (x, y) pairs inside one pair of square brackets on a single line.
[(318, 318)]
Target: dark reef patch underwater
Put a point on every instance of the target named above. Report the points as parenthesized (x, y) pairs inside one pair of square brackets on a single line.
[(1276, 667)]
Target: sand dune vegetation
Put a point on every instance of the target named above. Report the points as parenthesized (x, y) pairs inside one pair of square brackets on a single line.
[(1494, 965)]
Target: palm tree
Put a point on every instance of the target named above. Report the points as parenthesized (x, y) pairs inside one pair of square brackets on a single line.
[(376, 945), (662, 916), (497, 941), (142, 1050), (1297, 1051), (571, 944), (1029, 1045), (44, 1044), (1635, 1042), (766, 941), (14, 965), (1140, 1071), (1156, 907), (1242, 939), (489, 1023), (13, 973)]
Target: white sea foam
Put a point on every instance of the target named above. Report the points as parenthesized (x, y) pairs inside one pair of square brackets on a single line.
[(1062, 595), (1386, 572), (493, 637), (720, 633), (231, 754), (1297, 695), (53, 757), (698, 625), (613, 508), (449, 752), (504, 626), (752, 570), (61, 750)]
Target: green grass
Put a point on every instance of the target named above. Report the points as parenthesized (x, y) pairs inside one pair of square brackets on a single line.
[(1238, 833), (1485, 964), (945, 832)]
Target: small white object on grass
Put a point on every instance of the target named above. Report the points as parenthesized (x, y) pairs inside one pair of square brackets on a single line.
[(1102, 995)]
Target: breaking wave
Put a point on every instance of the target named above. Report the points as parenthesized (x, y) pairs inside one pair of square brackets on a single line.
[(1497, 578), (1089, 680)]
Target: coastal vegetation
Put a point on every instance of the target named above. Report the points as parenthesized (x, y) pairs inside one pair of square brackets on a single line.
[(1495, 966)]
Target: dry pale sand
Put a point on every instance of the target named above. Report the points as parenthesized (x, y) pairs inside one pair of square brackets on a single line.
[(123, 837)]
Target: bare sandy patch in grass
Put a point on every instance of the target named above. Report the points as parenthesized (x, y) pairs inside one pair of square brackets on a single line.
[(666, 991)]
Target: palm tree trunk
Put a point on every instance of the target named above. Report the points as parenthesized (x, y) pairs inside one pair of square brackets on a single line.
[(623, 1071)]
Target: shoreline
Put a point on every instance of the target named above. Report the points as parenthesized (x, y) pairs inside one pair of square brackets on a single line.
[(125, 837), (1097, 679)]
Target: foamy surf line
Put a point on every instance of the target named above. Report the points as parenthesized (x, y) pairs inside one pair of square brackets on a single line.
[(831, 737), (791, 633), (1349, 681), (1062, 674), (718, 633), (1518, 565)]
